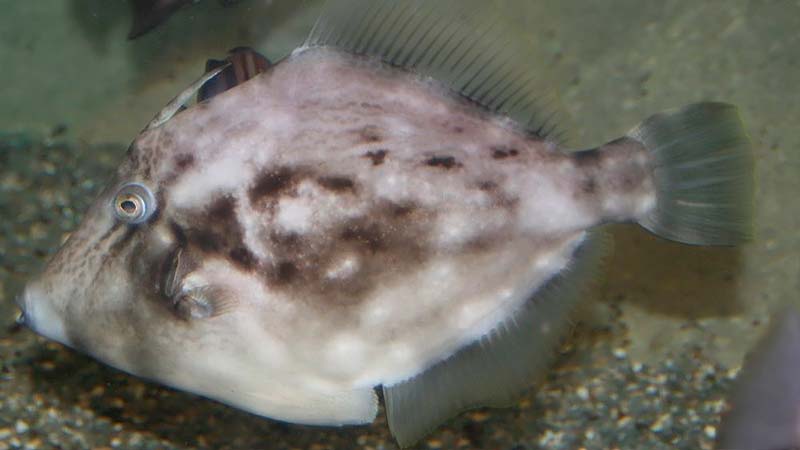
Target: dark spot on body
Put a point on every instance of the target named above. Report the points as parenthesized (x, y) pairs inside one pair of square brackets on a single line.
[(500, 152), (377, 156), (184, 161), (369, 236), (285, 241), (370, 134), (374, 106), (243, 258), (208, 240), (487, 186), (586, 157), (445, 162), (285, 272), (337, 183), (398, 210), (223, 209), (500, 198), (217, 230), (270, 183), (458, 129), (588, 185)]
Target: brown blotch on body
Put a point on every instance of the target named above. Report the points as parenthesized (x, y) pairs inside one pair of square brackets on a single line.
[(499, 198), (487, 186), (500, 152), (371, 236), (377, 156), (218, 229), (587, 158), (370, 134), (386, 242), (223, 209), (588, 185), (445, 162), (207, 240), (270, 183), (401, 210), (337, 183), (284, 273), (374, 106), (184, 161), (243, 258)]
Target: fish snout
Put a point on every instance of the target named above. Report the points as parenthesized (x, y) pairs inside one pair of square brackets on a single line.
[(38, 313)]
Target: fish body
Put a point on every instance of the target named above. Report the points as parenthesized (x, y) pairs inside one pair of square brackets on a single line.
[(362, 215)]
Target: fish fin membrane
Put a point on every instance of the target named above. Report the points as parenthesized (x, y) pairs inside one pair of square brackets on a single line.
[(459, 43), (766, 399), (243, 63), (501, 365), (178, 103), (703, 174)]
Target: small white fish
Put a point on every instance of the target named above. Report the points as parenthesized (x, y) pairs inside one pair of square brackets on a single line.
[(378, 209)]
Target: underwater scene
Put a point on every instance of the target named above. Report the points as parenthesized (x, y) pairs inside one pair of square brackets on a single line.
[(384, 224)]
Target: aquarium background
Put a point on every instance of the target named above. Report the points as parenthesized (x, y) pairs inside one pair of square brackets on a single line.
[(661, 334)]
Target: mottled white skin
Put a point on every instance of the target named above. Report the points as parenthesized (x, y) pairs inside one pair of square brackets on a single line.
[(350, 225)]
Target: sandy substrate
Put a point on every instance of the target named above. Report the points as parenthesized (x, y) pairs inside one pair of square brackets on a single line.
[(656, 346)]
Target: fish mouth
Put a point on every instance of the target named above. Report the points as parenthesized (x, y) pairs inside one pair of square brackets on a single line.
[(38, 314)]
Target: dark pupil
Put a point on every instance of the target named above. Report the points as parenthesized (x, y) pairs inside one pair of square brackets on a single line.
[(128, 206)]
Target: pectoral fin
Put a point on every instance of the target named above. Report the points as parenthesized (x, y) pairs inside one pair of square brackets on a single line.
[(187, 293)]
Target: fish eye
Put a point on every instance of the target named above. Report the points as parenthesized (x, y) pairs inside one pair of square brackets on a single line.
[(134, 203)]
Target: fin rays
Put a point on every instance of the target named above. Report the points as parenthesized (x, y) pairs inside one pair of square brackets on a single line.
[(458, 43), (495, 369)]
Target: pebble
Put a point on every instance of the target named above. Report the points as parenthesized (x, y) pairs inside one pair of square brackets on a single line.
[(21, 426), (583, 393)]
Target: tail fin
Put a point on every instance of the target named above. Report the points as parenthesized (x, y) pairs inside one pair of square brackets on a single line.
[(703, 174)]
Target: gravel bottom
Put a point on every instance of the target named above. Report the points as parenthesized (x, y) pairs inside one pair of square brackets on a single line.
[(55, 398)]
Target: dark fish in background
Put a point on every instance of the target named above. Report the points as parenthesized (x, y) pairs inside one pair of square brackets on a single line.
[(765, 412), (381, 208), (148, 14)]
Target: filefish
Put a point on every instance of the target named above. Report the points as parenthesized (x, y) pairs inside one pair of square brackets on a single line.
[(765, 412), (381, 209)]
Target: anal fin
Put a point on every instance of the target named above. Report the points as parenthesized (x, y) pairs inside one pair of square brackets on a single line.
[(500, 366)]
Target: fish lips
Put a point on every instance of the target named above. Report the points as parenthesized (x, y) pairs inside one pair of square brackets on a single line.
[(36, 313)]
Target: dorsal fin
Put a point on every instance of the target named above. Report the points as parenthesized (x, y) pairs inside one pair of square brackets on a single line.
[(459, 43), (494, 370), (181, 99), (243, 63)]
